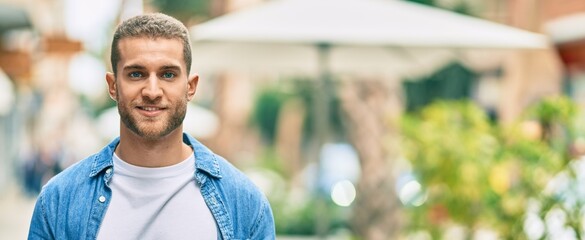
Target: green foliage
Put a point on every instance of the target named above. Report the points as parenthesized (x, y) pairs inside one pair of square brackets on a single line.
[(295, 213), (425, 2), (454, 81), (266, 110), (461, 6), (476, 174), (271, 99), (295, 208), (450, 145), (554, 110), (99, 107), (184, 10), (294, 220)]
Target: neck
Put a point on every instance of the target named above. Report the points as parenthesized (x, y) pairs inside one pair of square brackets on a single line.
[(165, 151)]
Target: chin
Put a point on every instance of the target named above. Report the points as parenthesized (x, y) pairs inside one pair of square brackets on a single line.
[(151, 135), (154, 133)]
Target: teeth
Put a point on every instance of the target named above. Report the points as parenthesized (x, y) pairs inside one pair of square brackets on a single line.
[(150, 108)]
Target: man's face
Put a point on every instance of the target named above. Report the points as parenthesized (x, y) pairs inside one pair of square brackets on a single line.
[(151, 87)]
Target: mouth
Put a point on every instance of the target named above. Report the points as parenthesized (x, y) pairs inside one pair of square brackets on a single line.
[(150, 111)]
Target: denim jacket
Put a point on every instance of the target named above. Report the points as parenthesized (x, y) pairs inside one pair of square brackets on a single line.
[(72, 205)]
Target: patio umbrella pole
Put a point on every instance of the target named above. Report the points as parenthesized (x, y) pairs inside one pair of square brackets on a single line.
[(321, 119)]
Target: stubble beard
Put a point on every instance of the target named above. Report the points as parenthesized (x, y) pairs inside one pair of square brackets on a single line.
[(145, 128)]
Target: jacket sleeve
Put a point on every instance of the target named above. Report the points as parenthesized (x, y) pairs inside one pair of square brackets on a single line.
[(264, 224), (39, 227)]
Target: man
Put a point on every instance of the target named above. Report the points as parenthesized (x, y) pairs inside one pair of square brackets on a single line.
[(154, 181)]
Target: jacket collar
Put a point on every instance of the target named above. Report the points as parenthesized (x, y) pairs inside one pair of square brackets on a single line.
[(205, 159)]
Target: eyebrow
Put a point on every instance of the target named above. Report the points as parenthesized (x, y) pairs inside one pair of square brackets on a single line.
[(171, 67), (133, 67), (140, 67)]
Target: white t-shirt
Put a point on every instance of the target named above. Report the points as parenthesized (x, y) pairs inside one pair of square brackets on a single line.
[(156, 203)]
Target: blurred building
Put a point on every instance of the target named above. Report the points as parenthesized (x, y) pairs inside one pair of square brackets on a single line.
[(15, 67), (46, 119), (563, 21)]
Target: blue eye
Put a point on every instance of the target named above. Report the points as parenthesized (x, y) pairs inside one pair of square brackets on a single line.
[(168, 75), (135, 74)]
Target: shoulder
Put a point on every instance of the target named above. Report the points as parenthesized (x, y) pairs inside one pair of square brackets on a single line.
[(71, 187), (225, 176), (236, 180), (238, 190), (83, 173), (69, 178), (249, 207), (248, 203)]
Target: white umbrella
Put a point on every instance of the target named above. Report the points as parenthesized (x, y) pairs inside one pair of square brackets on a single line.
[(389, 37), (362, 22)]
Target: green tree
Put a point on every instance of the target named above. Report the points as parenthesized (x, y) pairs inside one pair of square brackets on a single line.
[(481, 175), (460, 6), (186, 10)]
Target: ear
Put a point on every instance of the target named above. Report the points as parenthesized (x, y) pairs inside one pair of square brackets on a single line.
[(192, 86), (112, 90)]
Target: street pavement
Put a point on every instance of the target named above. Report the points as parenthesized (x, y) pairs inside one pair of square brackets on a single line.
[(15, 213)]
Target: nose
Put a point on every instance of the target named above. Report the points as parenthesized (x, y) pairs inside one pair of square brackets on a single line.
[(152, 90)]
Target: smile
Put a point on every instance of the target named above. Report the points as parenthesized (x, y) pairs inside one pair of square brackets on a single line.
[(150, 111)]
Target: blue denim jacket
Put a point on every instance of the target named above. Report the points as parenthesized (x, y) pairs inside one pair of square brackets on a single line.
[(72, 205)]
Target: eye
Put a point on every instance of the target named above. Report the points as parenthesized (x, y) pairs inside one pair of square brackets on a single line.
[(168, 75), (135, 75)]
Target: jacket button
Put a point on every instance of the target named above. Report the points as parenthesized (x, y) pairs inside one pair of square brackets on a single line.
[(108, 171), (102, 199)]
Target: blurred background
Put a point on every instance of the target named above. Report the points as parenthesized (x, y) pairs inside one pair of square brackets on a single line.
[(359, 119)]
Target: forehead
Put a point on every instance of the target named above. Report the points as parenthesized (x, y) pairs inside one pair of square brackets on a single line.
[(145, 51)]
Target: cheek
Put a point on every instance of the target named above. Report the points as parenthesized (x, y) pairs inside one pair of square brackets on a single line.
[(176, 92), (127, 93)]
